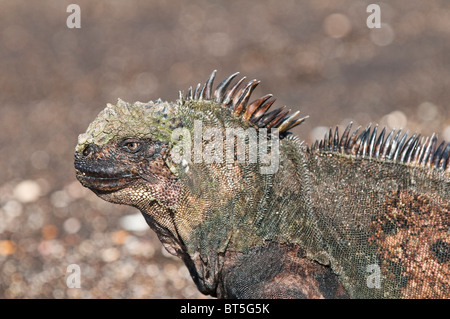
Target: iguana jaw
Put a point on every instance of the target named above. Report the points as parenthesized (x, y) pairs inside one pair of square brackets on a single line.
[(101, 182)]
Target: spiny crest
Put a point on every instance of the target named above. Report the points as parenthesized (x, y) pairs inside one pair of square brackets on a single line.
[(412, 150), (237, 100)]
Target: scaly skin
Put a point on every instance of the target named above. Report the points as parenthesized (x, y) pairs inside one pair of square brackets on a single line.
[(315, 227)]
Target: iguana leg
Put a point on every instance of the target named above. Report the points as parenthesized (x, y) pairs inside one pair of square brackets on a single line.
[(277, 271)]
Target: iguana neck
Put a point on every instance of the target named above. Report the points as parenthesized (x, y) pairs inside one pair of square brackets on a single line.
[(233, 207)]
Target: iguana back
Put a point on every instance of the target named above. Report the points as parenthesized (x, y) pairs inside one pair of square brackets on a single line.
[(385, 224)]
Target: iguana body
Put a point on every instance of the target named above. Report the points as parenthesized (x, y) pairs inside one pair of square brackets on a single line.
[(359, 215)]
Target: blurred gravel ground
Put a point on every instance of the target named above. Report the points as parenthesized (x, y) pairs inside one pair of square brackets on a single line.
[(317, 56)]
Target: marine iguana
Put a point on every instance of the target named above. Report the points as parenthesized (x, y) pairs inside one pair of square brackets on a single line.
[(364, 214)]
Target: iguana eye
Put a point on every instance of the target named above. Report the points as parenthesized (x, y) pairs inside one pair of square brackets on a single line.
[(131, 146), (87, 150)]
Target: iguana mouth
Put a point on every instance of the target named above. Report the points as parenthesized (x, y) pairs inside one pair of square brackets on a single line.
[(99, 180)]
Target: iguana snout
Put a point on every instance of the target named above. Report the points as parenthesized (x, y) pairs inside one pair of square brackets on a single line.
[(98, 170)]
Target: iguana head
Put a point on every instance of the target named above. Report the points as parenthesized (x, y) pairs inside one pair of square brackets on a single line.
[(121, 157)]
